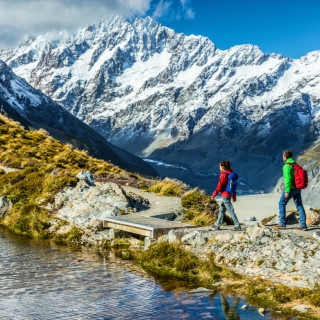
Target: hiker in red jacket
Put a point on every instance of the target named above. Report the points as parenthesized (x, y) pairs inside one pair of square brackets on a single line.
[(226, 196)]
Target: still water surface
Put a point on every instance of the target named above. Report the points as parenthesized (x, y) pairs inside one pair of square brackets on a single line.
[(40, 280)]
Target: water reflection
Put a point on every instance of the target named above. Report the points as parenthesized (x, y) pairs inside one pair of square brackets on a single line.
[(40, 280), (230, 310)]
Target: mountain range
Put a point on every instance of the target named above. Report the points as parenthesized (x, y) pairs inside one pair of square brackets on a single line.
[(178, 99)]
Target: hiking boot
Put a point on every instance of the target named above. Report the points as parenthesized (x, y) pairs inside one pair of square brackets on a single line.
[(302, 228), (280, 226), (237, 228), (215, 227)]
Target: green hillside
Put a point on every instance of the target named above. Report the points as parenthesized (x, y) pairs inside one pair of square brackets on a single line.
[(46, 166)]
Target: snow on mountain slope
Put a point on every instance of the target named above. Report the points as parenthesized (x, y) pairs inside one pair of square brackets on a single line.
[(178, 98)]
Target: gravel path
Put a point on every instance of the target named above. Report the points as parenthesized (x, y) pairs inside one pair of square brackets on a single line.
[(160, 206)]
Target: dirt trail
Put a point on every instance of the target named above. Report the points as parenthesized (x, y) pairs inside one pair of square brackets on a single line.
[(159, 205)]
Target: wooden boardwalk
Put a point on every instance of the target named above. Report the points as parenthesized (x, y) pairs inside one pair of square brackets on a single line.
[(145, 226)]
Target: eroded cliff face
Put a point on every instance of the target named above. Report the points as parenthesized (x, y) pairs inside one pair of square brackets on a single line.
[(178, 98)]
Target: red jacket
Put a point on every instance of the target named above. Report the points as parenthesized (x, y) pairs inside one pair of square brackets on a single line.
[(223, 181)]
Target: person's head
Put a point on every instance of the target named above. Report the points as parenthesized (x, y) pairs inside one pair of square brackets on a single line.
[(287, 154), (225, 165)]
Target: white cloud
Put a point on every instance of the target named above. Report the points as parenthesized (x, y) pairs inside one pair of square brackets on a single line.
[(21, 17), (188, 11), (190, 14), (38, 16), (162, 9)]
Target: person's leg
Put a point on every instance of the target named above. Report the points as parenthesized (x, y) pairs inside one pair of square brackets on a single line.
[(222, 210), (282, 209), (230, 209), (298, 202)]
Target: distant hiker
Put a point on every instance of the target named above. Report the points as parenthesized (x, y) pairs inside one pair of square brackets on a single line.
[(295, 179), (227, 187)]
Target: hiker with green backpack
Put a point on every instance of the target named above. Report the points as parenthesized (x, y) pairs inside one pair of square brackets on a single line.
[(227, 186), (295, 179)]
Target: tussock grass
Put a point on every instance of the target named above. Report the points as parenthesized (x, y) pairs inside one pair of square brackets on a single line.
[(21, 148), (268, 219), (164, 188), (199, 209), (172, 260)]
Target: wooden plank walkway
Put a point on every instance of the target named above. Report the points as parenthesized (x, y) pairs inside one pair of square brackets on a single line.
[(145, 226)]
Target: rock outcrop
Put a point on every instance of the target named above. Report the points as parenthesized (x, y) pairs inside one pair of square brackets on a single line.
[(283, 257), (86, 205), (5, 206)]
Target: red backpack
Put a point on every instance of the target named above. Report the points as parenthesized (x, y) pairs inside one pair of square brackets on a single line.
[(300, 176)]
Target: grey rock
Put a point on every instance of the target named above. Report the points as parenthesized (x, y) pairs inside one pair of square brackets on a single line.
[(85, 203), (201, 290), (249, 219), (316, 235), (244, 307), (197, 238), (224, 237), (177, 235), (86, 176), (98, 237), (5, 206), (301, 308), (218, 284), (262, 311), (147, 242)]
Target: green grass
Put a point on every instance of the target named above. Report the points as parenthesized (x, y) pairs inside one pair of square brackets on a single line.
[(46, 168), (172, 260)]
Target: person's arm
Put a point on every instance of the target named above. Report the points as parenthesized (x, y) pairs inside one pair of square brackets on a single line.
[(234, 197), (287, 178), (223, 180)]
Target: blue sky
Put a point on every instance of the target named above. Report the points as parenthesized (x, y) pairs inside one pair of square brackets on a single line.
[(291, 28)]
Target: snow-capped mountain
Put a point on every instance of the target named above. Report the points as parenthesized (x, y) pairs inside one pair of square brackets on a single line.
[(178, 98), (30, 107)]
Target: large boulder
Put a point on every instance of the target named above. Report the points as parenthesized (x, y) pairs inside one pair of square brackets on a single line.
[(5, 206), (313, 217), (86, 204)]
